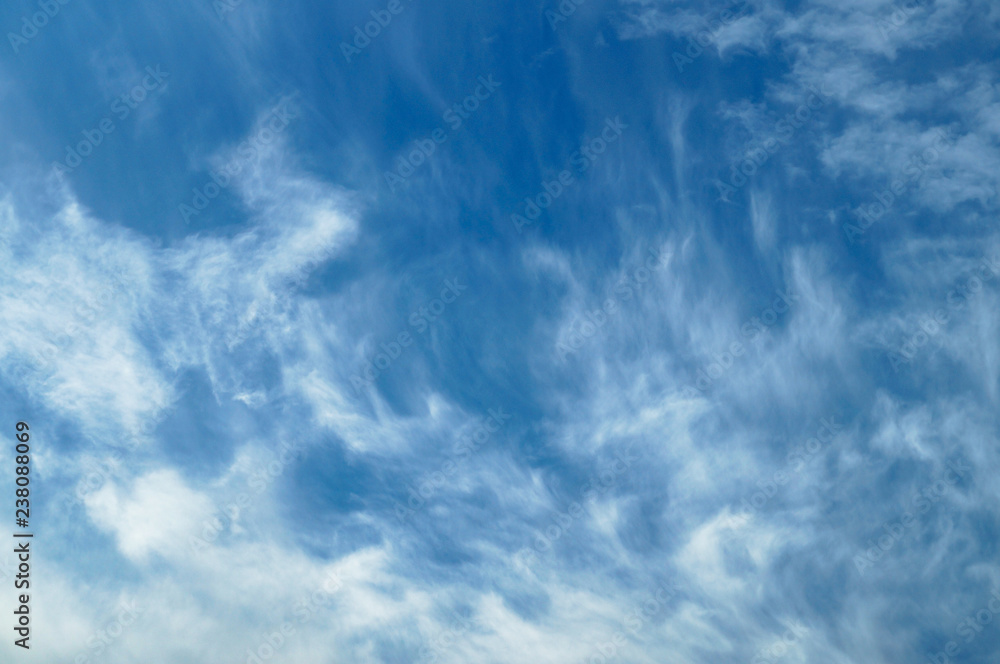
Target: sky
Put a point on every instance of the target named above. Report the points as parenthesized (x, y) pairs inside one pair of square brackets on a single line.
[(399, 331)]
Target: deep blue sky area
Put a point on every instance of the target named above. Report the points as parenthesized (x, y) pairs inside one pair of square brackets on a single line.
[(570, 332)]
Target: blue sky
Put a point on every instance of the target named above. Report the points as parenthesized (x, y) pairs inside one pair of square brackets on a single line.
[(622, 331)]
